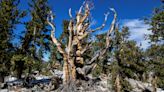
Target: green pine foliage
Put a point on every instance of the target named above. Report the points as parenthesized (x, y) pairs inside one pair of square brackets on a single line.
[(155, 54), (157, 23), (156, 62), (37, 32), (36, 40), (10, 16), (127, 59)]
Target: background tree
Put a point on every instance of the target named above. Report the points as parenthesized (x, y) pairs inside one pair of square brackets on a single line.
[(127, 60), (10, 16), (155, 53), (103, 63), (36, 40)]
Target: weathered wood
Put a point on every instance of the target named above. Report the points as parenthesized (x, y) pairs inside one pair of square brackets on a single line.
[(117, 84), (78, 31)]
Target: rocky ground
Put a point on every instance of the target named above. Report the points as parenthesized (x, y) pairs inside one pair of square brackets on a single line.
[(54, 84)]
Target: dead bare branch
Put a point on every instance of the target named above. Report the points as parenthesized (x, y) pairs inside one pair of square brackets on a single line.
[(70, 28), (54, 39), (86, 14), (103, 51), (103, 25), (70, 13)]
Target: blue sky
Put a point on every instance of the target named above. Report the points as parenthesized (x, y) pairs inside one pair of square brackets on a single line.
[(126, 9), (130, 13)]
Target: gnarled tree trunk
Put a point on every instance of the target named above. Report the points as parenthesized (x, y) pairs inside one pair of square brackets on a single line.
[(78, 31), (154, 83)]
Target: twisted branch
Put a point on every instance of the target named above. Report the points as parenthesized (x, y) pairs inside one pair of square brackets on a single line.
[(103, 25), (54, 39), (103, 51)]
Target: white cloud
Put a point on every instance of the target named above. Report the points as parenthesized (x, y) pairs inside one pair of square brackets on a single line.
[(138, 29)]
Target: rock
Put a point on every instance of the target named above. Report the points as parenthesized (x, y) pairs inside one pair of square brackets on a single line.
[(2, 85), (40, 77), (139, 86), (94, 84), (4, 90), (57, 73), (10, 78)]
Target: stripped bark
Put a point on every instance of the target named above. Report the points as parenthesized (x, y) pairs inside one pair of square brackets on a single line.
[(117, 84), (154, 83), (78, 31)]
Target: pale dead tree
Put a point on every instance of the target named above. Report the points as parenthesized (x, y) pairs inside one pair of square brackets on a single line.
[(154, 83), (117, 84), (78, 31)]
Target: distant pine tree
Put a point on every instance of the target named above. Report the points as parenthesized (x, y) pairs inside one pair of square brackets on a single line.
[(10, 16), (36, 40), (128, 60), (155, 53)]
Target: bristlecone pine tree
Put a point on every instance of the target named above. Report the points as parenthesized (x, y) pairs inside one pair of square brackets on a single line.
[(36, 38), (128, 62), (79, 29), (156, 51), (10, 16)]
